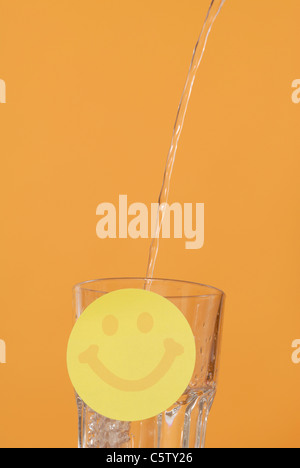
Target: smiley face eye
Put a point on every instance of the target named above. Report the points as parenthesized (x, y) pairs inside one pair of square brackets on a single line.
[(145, 322), (110, 325)]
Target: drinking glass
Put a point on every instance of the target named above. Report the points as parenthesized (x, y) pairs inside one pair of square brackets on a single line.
[(184, 424)]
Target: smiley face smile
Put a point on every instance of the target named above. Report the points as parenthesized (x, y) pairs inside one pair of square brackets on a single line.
[(90, 357)]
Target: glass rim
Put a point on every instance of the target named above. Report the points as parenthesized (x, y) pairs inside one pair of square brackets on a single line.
[(217, 292)]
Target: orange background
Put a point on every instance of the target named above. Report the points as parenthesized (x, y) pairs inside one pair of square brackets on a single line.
[(92, 93)]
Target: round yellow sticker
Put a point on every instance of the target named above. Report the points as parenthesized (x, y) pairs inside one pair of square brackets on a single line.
[(131, 355)]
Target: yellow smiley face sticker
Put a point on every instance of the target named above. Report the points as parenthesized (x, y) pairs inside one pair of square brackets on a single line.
[(131, 355)]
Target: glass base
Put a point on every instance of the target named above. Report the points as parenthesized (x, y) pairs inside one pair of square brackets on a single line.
[(182, 426)]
